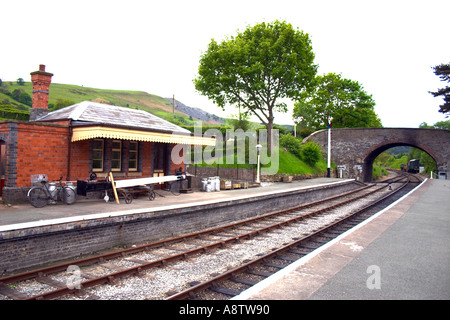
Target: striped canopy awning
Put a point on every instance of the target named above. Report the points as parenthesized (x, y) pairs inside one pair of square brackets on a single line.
[(94, 132)]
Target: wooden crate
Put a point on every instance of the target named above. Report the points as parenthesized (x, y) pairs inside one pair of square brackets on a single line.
[(225, 185)]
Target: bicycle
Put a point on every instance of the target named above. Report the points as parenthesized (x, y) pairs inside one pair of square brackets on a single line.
[(176, 186), (40, 196)]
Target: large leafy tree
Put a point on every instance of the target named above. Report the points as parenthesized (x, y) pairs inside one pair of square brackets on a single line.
[(443, 72), (342, 99), (257, 68)]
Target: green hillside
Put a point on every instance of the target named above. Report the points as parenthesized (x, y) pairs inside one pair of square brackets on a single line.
[(15, 103), (62, 95)]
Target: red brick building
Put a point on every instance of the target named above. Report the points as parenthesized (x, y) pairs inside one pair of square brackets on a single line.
[(83, 138)]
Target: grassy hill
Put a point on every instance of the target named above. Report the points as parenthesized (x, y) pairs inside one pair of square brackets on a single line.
[(14, 106), (62, 95)]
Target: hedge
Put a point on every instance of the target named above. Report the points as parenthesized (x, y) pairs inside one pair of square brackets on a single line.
[(9, 112)]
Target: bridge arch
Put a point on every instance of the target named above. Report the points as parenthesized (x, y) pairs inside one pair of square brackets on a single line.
[(354, 149), (372, 153)]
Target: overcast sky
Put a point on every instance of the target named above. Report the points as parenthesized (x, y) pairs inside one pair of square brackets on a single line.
[(155, 46)]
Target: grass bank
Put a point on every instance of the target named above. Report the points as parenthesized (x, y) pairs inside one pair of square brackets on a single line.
[(288, 164)]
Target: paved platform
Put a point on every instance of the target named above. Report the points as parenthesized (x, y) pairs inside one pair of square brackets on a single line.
[(25, 213), (401, 253)]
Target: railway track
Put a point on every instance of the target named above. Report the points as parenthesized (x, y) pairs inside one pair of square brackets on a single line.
[(235, 281), (109, 269)]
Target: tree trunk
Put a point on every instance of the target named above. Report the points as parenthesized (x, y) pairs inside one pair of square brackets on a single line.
[(269, 127)]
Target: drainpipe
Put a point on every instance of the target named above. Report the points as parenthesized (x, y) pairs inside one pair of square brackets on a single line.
[(70, 150), (329, 148)]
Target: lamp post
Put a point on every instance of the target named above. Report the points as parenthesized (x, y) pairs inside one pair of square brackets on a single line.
[(258, 149), (299, 120), (329, 148)]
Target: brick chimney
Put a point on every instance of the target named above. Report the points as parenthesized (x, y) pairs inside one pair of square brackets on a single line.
[(41, 84)]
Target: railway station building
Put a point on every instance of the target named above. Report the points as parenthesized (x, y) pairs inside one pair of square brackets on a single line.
[(85, 138)]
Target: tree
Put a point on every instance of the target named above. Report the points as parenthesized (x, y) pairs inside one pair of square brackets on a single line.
[(257, 68), (305, 115), (443, 72), (438, 125), (333, 96), (20, 82), (240, 121), (16, 94), (25, 98), (442, 125)]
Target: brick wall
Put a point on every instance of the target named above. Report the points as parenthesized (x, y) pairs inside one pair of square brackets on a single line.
[(223, 173), (38, 148), (80, 162), (41, 149), (33, 148)]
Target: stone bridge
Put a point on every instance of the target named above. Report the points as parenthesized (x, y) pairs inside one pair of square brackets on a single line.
[(355, 149)]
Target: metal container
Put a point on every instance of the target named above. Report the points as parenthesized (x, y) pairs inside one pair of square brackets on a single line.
[(53, 190), (72, 196)]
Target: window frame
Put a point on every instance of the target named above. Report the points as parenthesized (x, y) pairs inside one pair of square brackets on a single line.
[(102, 158), (119, 151), (136, 159)]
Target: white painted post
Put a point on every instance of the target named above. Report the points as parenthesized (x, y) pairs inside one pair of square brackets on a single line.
[(329, 148), (258, 149)]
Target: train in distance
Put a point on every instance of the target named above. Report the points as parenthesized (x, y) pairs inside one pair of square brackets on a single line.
[(412, 166)]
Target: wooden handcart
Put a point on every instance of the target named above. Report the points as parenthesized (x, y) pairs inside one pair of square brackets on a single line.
[(132, 187)]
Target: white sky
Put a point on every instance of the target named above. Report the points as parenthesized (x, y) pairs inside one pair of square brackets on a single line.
[(155, 46)]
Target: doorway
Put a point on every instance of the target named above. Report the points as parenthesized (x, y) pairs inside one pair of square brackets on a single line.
[(160, 161)]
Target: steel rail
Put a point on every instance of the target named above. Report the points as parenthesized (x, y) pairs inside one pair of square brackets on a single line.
[(120, 253), (110, 278), (189, 293)]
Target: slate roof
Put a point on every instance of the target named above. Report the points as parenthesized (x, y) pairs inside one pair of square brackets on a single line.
[(88, 112)]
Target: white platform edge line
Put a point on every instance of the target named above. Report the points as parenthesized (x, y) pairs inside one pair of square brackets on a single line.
[(48, 222), (245, 295)]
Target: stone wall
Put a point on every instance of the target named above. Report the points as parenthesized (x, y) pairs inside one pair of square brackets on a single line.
[(244, 174)]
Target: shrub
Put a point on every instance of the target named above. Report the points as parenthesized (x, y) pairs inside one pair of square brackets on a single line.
[(311, 153), (378, 172), (292, 144), (305, 132)]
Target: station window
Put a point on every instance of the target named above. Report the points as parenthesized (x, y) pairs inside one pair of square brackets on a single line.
[(133, 156), (97, 154), (116, 155)]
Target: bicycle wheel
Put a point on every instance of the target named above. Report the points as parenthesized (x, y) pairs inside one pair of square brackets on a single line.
[(68, 196), (38, 197)]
